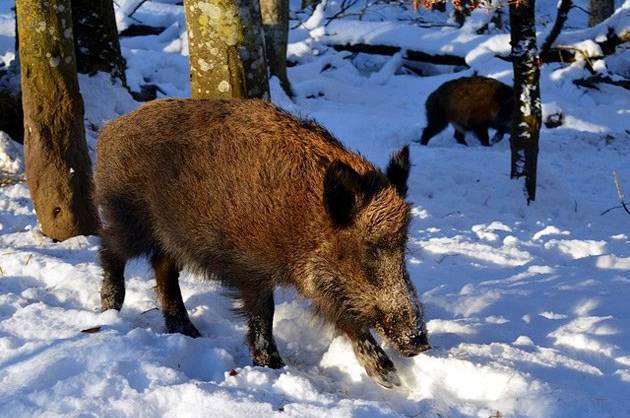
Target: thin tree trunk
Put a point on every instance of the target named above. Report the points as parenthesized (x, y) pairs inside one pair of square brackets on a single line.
[(275, 19), (564, 6), (97, 47), (58, 168), (600, 10), (527, 112), (227, 55)]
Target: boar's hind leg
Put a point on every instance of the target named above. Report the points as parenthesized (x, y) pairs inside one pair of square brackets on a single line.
[(173, 309), (259, 310), (372, 357), (432, 129), (113, 285)]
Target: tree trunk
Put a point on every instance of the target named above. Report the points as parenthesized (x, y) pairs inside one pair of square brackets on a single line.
[(527, 107), (275, 19), (96, 38), (227, 56), (599, 10), (58, 168)]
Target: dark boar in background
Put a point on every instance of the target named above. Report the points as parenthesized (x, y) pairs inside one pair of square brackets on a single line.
[(243, 192), (470, 104)]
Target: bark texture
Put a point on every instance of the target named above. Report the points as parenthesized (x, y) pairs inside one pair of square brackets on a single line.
[(527, 112), (96, 38), (227, 56), (275, 19), (58, 168), (599, 10)]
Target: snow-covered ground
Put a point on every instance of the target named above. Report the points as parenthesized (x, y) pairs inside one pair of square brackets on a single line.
[(528, 307)]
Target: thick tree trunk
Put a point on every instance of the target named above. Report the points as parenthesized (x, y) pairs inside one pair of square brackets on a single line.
[(275, 19), (527, 111), (58, 168), (599, 10), (227, 56), (96, 38)]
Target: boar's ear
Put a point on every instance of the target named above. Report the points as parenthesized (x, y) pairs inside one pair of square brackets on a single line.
[(342, 190), (398, 171)]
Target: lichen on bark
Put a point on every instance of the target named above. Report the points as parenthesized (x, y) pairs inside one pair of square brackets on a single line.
[(227, 57), (58, 169)]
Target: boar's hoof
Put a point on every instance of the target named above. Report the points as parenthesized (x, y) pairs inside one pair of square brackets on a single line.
[(178, 326), (112, 297), (273, 360), (388, 380), (384, 373)]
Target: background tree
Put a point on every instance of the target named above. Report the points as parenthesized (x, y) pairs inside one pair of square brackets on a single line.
[(97, 47), (58, 168), (275, 19), (527, 114), (599, 10), (227, 57)]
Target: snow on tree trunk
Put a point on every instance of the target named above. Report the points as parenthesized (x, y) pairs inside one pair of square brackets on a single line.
[(599, 10), (58, 168), (527, 113), (96, 38), (275, 19), (227, 56)]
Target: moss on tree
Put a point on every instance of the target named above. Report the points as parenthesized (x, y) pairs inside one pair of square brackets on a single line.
[(58, 168)]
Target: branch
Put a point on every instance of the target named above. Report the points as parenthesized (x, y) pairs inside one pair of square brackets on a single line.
[(563, 12), (569, 54)]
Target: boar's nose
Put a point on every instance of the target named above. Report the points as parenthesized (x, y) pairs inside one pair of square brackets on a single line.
[(419, 343)]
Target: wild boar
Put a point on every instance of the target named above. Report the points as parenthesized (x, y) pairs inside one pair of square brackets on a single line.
[(470, 104), (243, 192)]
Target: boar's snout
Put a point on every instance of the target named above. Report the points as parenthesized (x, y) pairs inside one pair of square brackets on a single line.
[(417, 345)]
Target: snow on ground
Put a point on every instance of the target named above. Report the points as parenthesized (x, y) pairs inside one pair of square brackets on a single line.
[(527, 306)]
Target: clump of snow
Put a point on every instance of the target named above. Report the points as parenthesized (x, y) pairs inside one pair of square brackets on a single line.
[(11, 155)]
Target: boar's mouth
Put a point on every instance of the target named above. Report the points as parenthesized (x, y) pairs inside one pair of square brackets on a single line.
[(410, 347)]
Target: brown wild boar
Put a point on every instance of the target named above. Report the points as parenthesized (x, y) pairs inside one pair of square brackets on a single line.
[(243, 192), (470, 104)]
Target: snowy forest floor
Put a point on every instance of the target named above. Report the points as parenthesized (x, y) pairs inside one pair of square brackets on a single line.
[(527, 305)]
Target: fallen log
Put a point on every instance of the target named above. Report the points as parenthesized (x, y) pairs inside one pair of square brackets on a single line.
[(560, 53), (410, 54), (593, 81)]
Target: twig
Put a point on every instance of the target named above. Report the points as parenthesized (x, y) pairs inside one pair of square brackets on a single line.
[(620, 192), (623, 205), (135, 9), (345, 5)]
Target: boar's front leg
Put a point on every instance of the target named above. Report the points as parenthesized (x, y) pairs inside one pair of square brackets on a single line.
[(173, 309), (372, 357), (259, 309), (482, 134)]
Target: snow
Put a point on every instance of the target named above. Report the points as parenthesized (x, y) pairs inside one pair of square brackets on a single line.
[(527, 306)]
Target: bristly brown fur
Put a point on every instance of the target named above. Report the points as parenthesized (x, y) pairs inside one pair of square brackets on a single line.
[(470, 104), (242, 191)]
